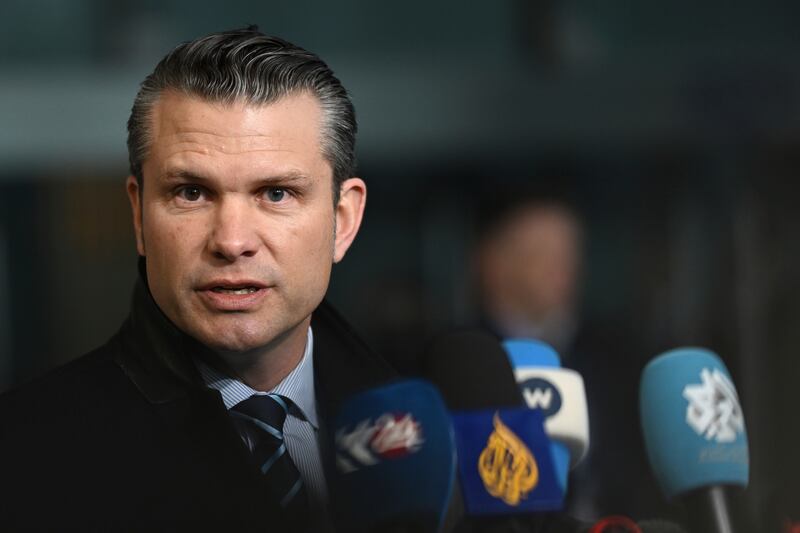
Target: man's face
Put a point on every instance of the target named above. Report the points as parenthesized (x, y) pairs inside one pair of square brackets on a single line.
[(545, 253), (236, 218), (532, 267)]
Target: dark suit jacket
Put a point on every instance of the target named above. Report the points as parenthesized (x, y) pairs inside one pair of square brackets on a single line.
[(128, 438)]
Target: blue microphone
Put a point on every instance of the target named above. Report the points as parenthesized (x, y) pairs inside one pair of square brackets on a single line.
[(561, 396), (395, 460), (505, 462), (504, 456), (694, 433)]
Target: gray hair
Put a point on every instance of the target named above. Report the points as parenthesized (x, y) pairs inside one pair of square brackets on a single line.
[(246, 65)]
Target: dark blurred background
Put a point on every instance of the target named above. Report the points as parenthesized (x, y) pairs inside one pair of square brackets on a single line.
[(672, 128)]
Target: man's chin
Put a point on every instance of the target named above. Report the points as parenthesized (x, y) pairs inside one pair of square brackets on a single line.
[(244, 337), (234, 344)]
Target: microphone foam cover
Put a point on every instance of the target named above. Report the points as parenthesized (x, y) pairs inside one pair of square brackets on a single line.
[(692, 422), (531, 352), (472, 371), (395, 459)]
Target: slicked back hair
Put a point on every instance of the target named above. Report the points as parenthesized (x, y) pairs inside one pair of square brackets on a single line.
[(246, 65)]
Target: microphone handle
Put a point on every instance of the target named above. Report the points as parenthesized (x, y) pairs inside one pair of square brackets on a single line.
[(708, 510)]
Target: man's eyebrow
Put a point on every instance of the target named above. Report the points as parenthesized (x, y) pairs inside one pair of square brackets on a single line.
[(183, 175), (290, 177)]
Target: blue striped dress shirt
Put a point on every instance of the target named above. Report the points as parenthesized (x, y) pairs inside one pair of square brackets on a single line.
[(300, 429)]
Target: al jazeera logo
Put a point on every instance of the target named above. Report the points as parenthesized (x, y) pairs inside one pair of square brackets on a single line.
[(506, 466)]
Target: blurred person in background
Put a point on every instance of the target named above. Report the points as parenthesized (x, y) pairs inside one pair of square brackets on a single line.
[(529, 262)]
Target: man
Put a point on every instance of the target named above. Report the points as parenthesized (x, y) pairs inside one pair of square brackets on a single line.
[(529, 264), (243, 195)]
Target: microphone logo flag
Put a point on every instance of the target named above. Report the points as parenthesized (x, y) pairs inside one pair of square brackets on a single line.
[(506, 465), (396, 436), (540, 393), (391, 436), (713, 411), (505, 460)]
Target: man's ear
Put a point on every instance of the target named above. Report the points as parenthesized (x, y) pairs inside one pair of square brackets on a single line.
[(135, 197), (349, 212)]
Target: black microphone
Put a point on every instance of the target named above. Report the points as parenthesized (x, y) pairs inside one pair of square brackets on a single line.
[(623, 524), (472, 371)]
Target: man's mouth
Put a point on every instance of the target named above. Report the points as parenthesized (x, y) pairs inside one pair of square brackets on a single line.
[(233, 294), (235, 290)]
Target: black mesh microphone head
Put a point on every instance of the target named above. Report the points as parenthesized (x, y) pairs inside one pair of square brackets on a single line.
[(472, 371)]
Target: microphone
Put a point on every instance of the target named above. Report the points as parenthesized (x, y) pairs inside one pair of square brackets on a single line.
[(504, 456), (559, 393), (615, 524), (395, 460), (623, 524), (505, 462), (472, 371), (694, 434)]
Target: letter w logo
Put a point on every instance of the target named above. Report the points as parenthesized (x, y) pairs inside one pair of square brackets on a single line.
[(538, 398)]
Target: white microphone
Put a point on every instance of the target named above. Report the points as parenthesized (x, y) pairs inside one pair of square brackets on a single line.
[(558, 392)]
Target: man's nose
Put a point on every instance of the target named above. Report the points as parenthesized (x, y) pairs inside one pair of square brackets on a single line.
[(234, 234)]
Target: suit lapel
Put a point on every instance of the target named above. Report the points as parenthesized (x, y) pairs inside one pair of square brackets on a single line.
[(343, 364), (154, 356)]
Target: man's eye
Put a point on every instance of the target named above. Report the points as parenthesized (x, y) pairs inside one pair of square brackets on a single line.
[(190, 193), (275, 194)]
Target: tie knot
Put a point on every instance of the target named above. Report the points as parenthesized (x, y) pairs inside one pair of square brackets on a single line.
[(270, 409)]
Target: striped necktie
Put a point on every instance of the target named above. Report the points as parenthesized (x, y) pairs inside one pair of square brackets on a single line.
[(259, 420)]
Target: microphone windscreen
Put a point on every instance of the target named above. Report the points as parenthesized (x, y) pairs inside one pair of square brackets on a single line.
[(692, 422), (531, 352), (472, 371), (395, 459)]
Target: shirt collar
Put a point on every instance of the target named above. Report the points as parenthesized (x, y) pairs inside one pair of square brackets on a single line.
[(298, 386)]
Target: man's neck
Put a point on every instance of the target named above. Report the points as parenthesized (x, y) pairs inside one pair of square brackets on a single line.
[(263, 368)]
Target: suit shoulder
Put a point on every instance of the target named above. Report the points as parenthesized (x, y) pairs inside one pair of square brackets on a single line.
[(85, 382)]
